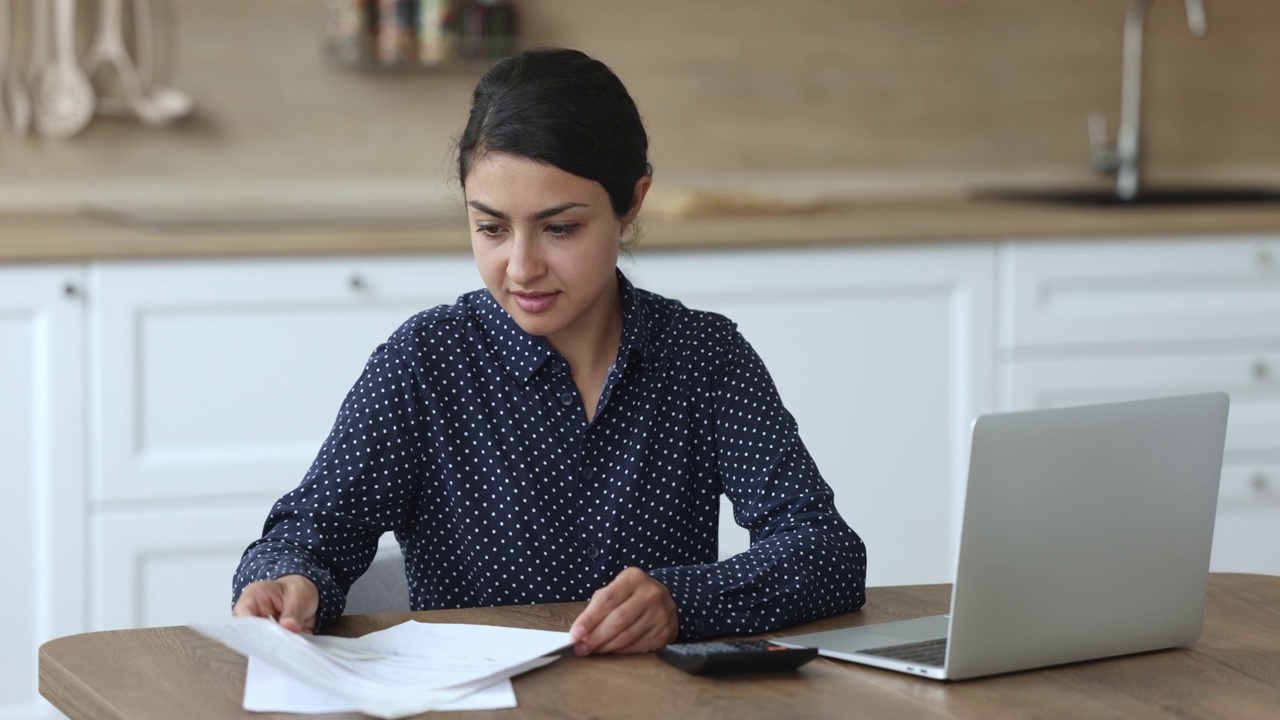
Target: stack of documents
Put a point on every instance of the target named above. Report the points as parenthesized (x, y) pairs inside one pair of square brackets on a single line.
[(404, 670)]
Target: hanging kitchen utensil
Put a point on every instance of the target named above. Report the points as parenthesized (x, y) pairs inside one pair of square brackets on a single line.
[(65, 99), (157, 107), (144, 55), (15, 112), (145, 47), (39, 59)]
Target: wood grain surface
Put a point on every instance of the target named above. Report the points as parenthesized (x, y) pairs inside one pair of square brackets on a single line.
[(36, 237), (1233, 671), (883, 86)]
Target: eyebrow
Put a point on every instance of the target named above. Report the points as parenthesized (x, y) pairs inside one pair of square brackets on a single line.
[(540, 215)]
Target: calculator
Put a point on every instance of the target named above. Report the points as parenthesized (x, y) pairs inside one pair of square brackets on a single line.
[(713, 658)]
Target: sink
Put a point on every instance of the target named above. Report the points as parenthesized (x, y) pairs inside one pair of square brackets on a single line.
[(1148, 197)]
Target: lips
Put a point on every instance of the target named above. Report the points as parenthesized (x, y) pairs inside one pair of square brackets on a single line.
[(534, 302)]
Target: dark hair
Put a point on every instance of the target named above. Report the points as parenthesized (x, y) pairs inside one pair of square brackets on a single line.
[(563, 108)]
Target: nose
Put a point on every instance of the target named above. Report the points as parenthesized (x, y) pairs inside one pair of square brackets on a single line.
[(526, 262)]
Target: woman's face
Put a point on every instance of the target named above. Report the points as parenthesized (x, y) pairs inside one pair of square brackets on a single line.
[(546, 243)]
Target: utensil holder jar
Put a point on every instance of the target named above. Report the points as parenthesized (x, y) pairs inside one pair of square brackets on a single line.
[(418, 34)]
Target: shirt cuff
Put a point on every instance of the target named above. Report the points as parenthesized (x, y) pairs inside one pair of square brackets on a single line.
[(332, 600), (696, 596)]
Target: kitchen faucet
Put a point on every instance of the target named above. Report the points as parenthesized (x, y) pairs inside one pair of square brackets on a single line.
[(1123, 159)]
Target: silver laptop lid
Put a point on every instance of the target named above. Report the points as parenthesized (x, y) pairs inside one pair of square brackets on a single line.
[(1086, 533)]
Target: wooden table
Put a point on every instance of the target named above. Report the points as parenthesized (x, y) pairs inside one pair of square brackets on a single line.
[(1232, 672)]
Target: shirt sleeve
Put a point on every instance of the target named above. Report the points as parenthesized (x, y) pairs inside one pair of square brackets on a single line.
[(804, 561), (359, 486)]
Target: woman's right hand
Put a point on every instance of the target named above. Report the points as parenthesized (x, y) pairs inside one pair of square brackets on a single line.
[(291, 600)]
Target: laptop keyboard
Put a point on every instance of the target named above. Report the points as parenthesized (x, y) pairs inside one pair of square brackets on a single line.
[(928, 652)]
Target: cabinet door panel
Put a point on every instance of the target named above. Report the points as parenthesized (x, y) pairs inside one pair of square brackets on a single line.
[(1245, 539), (1248, 523), (1135, 291), (223, 378), (1254, 423), (1247, 484), (884, 358), (41, 470), (168, 566), (1247, 531)]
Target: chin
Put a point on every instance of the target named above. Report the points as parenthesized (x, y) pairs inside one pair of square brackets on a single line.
[(533, 325)]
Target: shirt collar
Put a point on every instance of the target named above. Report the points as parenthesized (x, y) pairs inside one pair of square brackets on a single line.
[(635, 324), (523, 354)]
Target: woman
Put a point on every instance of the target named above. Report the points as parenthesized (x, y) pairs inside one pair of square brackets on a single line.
[(562, 435)]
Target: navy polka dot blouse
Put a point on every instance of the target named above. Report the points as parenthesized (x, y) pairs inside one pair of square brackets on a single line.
[(465, 436)]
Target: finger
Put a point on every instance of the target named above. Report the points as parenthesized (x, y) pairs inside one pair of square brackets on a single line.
[(653, 639), (647, 620), (647, 632), (259, 599), (298, 623), (633, 595), (618, 622), (244, 607), (602, 603), (299, 604)]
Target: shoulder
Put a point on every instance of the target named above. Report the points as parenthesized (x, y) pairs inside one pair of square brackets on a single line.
[(673, 327), (440, 331)]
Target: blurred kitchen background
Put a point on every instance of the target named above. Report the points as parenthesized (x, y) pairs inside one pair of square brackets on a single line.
[(885, 97)]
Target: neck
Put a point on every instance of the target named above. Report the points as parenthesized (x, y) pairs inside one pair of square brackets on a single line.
[(592, 352)]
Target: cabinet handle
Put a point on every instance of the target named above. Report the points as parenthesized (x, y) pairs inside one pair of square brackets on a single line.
[(356, 283), (1259, 483), (1261, 371), (70, 290), (1264, 257)]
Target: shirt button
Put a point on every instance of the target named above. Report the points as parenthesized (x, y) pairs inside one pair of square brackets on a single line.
[(593, 552), (588, 473), (566, 399)]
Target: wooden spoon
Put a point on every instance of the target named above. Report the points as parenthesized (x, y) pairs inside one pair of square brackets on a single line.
[(154, 106), (15, 107), (66, 100)]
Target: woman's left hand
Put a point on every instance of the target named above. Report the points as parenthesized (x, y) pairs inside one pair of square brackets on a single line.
[(632, 614)]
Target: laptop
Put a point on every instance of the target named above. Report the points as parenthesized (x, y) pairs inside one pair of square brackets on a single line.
[(1086, 535)]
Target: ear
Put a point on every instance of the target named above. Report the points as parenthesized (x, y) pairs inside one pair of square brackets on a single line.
[(637, 199)]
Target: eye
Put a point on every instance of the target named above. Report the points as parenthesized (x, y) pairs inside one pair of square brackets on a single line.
[(489, 229), (562, 230)]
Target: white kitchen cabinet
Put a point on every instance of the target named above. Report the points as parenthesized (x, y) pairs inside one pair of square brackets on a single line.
[(170, 567), (221, 378), (213, 384), (1096, 322), (41, 472), (1070, 295), (884, 356)]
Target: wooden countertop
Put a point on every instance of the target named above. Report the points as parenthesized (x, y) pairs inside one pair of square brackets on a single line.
[(32, 237)]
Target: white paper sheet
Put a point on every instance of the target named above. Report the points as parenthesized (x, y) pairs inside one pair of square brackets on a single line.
[(266, 689), (400, 671)]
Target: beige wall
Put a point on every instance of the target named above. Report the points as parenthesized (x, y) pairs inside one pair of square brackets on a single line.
[(905, 94)]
